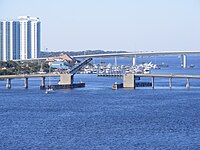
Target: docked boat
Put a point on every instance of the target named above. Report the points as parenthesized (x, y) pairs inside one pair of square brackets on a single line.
[(116, 85), (146, 71), (192, 66)]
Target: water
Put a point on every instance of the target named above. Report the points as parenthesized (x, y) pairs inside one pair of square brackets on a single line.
[(96, 117)]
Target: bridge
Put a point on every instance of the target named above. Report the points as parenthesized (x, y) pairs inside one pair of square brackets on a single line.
[(65, 79), (129, 79), (134, 55), (141, 53)]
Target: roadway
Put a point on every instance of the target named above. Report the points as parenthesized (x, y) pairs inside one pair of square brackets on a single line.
[(139, 75), (168, 76), (28, 76), (133, 54), (128, 54)]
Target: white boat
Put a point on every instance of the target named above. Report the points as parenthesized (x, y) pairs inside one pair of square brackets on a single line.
[(146, 71), (49, 90)]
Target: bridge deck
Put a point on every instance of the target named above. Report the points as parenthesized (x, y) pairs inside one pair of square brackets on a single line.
[(168, 76), (133, 54), (138, 75), (28, 76)]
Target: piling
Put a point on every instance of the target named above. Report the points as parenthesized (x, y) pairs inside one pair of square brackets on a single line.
[(43, 83), (8, 83), (26, 83), (187, 83), (152, 81), (170, 83)]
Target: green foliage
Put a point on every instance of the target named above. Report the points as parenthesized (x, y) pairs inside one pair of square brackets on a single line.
[(12, 67)]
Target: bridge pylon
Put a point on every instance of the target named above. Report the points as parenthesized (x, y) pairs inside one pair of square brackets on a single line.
[(184, 61)]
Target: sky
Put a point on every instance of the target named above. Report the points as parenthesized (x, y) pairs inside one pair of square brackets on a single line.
[(131, 25)]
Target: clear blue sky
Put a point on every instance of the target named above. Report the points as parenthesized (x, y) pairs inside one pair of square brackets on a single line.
[(112, 24)]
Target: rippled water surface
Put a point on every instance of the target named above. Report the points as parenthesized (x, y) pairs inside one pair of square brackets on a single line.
[(96, 117)]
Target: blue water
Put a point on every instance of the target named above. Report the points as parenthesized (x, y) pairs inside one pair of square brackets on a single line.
[(98, 118)]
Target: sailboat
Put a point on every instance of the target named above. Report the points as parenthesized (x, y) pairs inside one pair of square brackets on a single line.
[(49, 88)]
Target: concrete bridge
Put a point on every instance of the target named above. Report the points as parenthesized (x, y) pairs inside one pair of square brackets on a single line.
[(8, 78), (134, 55), (129, 79), (140, 53), (65, 79)]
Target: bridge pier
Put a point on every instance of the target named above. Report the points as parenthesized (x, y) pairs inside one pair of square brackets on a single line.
[(152, 81), (134, 61), (8, 83), (26, 83), (66, 79), (129, 81), (170, 83), (43, 83), (187, 83), (184, 61)]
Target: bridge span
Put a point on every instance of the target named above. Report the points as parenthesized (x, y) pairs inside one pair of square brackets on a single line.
[(8, 78), (134, 55), (129, 79), (141, 53)]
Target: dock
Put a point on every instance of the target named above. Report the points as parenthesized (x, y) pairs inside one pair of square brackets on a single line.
[(117, 86), (109, 75), (66, 86)]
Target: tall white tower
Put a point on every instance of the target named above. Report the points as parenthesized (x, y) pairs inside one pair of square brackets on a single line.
[(29, 37), (35, 36), (23, 37), (20, 39), (4, 41), (1, 40), (9, 40)]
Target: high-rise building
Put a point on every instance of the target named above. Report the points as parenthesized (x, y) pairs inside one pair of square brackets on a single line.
[(35, 37), (29, 37), (20, 39), (9, 40), (16, 42)]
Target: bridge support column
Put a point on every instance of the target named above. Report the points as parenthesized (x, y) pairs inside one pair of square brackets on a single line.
[(8, 83), (152, 82), (184, 61), (66, 79), (187, 83), (170, 83), (134, 61), (129, 81), (26, 83), (43, 83)]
